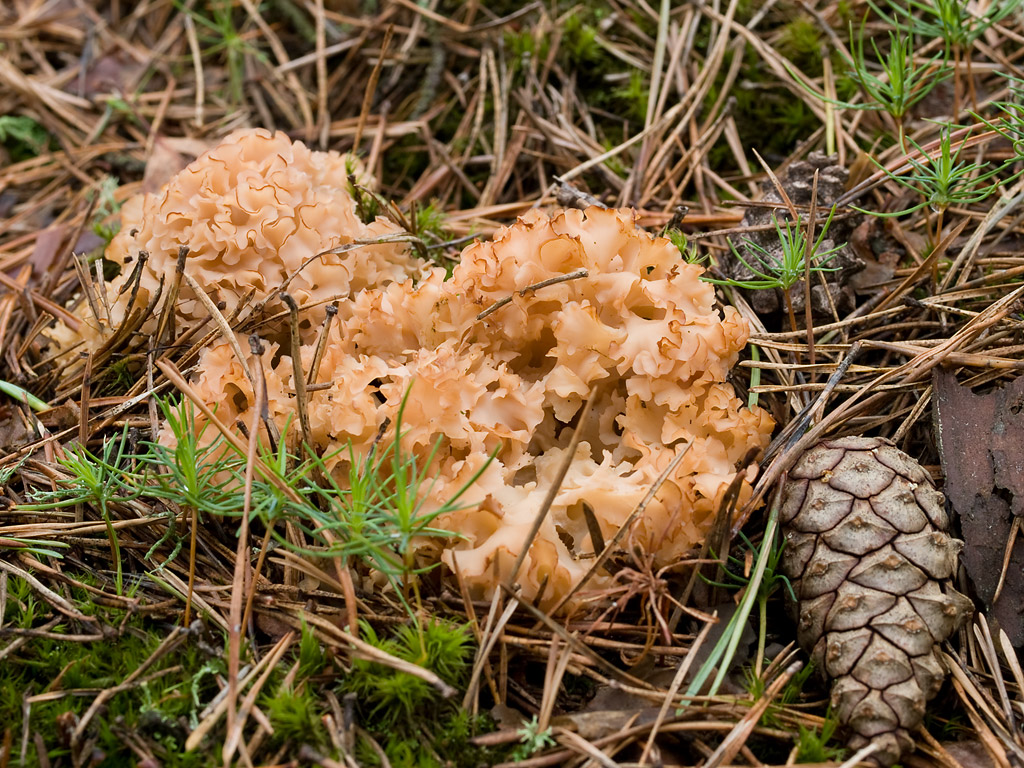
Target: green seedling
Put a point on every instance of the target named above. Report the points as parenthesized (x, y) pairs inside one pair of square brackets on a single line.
[(784, 269), (722, 655), (23, 137), (771, 581), (902, 82), (104, 222), (191, 475), (688, 250), (97, 481), (1010, 122), (952, 21), (942, 180), (790, 694), (377, 518), (532, 739), (194, 472), (814, 745), (223, 36)]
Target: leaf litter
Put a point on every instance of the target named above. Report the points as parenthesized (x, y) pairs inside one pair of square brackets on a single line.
[(482, 113)]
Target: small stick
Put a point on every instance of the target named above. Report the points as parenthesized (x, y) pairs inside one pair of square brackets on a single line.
[(299, 377), (371, 88), (1007, 553), (783, 195), (197, 67), (135, 280), (222, 324), (323, 115), (241, 573), (321, 345), (167, 316), (83, 420), (809, 253), (88, 287), (556, 484), (536, 286), (568, 196)]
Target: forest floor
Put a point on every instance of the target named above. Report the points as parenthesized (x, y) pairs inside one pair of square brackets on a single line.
[(139, 624)]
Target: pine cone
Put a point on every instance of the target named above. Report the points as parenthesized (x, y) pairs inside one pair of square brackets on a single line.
[(836, 294), (871, 565)]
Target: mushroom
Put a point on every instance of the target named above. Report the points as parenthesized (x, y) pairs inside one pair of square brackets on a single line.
[(488, 365), (251, 213), (496, 360)]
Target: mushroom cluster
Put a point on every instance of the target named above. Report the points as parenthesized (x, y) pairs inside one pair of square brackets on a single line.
[(495, 360), (253, 212), (637, 327)]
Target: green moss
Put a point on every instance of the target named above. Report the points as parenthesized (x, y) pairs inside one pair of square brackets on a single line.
[(404, 713), (526, 41), (23, 137), (633, 96), (768, 116), (817, 745), (296, 716), (75, 671), (802, 41), (119, 375), (388, 697)]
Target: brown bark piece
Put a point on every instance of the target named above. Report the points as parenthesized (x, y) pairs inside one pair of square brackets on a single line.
[(981, 443)]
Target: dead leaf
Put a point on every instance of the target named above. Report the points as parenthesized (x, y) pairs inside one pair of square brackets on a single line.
[(48, 243), (62, 416), (605, 722), (13, 430), (970, 754), (112, 73), (168, 156), (876, 249), (7, 199), (981, 442), (163, 163), (271, 625)]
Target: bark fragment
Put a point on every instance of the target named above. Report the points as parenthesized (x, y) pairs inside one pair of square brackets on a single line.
[(981, 442)]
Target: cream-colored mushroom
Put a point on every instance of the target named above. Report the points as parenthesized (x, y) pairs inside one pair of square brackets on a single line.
[(641, 327), (252, 212)]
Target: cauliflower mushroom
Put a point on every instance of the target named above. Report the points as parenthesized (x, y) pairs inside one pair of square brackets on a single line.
[(637, 325), (250, 214)]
